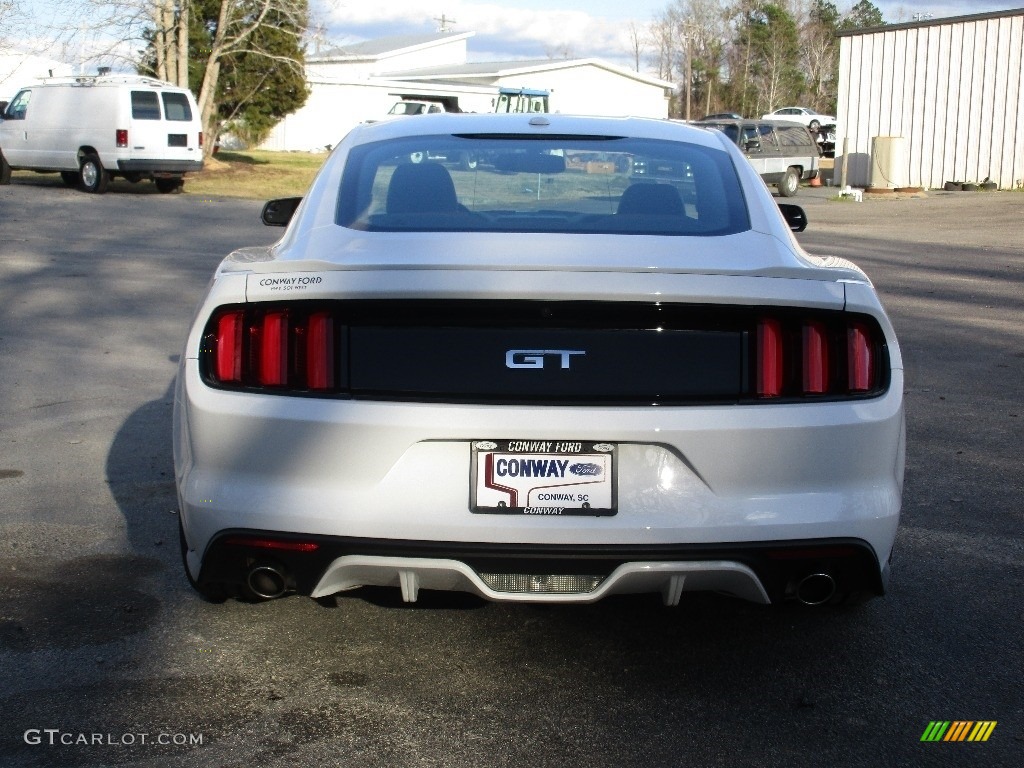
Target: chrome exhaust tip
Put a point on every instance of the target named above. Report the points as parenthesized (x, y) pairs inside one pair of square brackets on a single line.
[(816, 589), (266, 581)]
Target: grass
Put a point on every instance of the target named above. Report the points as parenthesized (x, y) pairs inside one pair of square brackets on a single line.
[(256, 175), (253, 175)]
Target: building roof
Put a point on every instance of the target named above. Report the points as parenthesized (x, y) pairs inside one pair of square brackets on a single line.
[(931, 22), (384, 47), (496, 69)]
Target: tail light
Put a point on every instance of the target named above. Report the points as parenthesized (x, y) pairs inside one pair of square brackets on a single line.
[(859, 352), (274, 348), (301, 348), (834, 355), (200, 139), (227, 348), (121, 136), (769, 358), (814, 347)]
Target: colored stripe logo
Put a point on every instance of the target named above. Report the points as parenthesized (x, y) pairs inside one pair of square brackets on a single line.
[(958, 730)]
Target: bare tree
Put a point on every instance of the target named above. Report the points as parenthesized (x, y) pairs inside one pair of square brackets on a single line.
[(236, 33), (170, 40), (118, 30), (636, 44), (662, 36)]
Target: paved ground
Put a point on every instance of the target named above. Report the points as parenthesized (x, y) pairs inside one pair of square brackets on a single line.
[(102, 640)]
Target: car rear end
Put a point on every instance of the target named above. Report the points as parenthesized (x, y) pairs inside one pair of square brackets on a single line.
[(540, 395)]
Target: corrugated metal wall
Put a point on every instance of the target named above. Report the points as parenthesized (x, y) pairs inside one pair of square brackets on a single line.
[(953, 88)]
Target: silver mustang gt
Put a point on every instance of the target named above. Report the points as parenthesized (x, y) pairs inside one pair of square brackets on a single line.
[(539, 358)]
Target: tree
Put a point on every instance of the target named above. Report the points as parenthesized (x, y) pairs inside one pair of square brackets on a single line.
[(248, 65), (170, 38), (863, 15), (243, 58), (820, 55), (636, 44), (773, 50)]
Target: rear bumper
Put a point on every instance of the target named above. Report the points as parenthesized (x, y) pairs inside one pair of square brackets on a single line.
[(764, 572), (160, 166)]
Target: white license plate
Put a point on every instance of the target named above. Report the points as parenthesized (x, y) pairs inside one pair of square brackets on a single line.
[(543, 477)]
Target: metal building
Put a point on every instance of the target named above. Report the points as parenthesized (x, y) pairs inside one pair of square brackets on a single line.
[(952, 89)]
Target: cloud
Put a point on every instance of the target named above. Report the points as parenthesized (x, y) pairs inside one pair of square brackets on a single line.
[(502, 32)]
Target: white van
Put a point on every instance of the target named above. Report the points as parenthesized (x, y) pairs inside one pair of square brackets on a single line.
[(90, 129)]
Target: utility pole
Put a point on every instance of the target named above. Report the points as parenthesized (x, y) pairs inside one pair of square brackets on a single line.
[(688, 27)]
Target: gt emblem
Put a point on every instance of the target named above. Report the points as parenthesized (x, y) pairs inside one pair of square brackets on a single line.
[(534, 358)]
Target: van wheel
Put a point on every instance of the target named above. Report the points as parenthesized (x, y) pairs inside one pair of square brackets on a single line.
[(93, 175), (790, 182), (169, 185), (5, 171), (70, 178)]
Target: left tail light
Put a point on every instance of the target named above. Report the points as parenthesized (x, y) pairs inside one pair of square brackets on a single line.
[(832, 355), (274, 348), (121, 137)]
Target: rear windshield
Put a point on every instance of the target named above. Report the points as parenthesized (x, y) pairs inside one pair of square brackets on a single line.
[(551, 184), (176, 107), (145, 105)]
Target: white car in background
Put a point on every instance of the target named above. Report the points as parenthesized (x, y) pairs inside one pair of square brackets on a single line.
[(539, 383), (803, 115)]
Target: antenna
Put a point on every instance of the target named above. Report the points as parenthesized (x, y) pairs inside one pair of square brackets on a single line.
[(444, 24)]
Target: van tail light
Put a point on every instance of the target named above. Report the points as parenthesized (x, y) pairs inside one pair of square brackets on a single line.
[(200, 139), (121, 136), (293, 349), (833, 355)]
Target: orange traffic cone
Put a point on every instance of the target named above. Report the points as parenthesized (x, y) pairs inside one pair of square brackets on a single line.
[(816, 181)]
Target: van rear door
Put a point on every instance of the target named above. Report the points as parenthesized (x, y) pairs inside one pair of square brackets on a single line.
[(164, 126)]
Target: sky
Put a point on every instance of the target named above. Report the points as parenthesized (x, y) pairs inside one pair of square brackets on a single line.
[(518, 29), (504, 29)]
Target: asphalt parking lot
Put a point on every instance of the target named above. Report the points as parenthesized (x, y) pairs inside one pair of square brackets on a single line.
[(107, 658)]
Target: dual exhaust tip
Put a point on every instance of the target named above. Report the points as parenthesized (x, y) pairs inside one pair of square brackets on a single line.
[(816, 589), (267, 581)]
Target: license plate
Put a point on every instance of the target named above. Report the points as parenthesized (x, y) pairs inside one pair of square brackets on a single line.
[(543, 477)]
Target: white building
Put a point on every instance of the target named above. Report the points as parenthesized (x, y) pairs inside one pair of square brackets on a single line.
[(20, 69), (362, 81), (951, 89)]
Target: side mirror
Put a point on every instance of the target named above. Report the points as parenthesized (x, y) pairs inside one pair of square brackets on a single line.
[(794, 216), (750, 144), (277, 213)]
